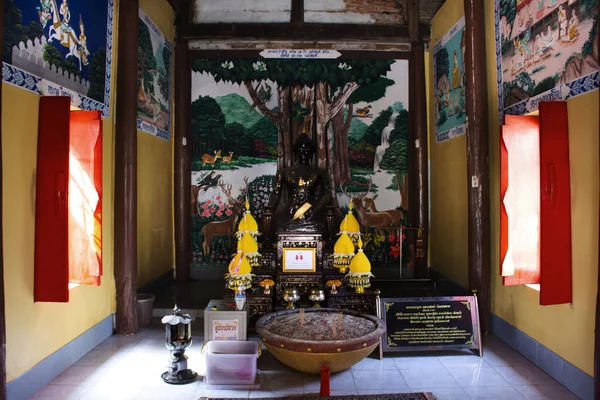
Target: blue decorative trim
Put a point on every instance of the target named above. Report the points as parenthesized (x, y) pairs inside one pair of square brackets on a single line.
[(45, 371), (498, 61), (560, 369), (109, 49), (23, 79), (20, 78)]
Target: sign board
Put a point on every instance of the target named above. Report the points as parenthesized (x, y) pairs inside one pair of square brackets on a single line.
[(299, 260), (300, 53), (431, 323), (225, 329)]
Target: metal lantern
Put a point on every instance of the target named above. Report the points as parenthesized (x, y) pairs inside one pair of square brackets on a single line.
[(178, 338)]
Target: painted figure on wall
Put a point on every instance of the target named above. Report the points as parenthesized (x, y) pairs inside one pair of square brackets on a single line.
[(154, 79), (557, 48), (248, 113), (49, 49), (449, 83)]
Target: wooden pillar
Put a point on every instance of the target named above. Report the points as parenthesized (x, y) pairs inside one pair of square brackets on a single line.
[(126, 169), (477, 159), (183, 172), (2, 305), (418, 154), (418, 148)]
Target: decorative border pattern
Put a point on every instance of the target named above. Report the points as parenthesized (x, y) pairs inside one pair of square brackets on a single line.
[(566, 91), (146, 126), (23, 79)]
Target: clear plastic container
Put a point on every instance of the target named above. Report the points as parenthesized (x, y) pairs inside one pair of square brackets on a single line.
[(231, 362)]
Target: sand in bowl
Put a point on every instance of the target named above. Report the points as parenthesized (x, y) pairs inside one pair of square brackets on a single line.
[(320, 326)]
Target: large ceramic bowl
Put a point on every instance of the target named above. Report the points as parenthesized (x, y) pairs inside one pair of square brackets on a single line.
[(309, 355)]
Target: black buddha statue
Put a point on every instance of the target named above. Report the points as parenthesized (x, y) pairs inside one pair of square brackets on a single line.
[(301, 192)]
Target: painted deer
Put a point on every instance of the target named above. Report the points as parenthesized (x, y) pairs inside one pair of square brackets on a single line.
[(226, 227), (195, 204), (227, 159), (380, 221), (208, 159), (397, 215)]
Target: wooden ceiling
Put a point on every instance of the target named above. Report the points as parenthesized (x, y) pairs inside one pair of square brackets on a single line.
[(306, 19)]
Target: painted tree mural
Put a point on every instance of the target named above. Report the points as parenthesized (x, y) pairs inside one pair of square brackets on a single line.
[(316, 96)]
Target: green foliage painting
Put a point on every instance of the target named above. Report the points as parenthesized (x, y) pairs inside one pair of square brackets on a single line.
[(246, 114)]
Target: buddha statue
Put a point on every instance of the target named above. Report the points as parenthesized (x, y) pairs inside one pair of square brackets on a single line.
[(301, 192)]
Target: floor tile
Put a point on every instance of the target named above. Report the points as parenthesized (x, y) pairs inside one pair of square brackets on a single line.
[(81, 375), (445, 393), (524, 376), (101, 357), (61, 392), (546, 392), (412, 362), (219, 394), (503, 357), (419, 377), (460, 359), (130, 367), (121, 392), (470, 375), (493, 393), (374, 363), (169, 392), (379, 379)]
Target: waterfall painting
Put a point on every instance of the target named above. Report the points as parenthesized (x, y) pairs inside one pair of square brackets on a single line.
[(450, 84), (60, 48), (246, 113)]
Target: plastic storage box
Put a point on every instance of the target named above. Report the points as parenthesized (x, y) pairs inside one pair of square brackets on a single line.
[(231, 363)]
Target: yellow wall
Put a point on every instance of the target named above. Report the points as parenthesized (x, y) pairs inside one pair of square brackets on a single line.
[(568, 329), (448, 194), (565, 329), (46, 327), (155, 179)]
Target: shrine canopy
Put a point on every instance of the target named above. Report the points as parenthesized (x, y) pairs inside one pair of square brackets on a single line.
[(531, 12)]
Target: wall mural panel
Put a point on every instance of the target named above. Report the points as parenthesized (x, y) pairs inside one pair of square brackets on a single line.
[(241, 110), (60, 48), (155, 65), (545, 50), (449, 84)]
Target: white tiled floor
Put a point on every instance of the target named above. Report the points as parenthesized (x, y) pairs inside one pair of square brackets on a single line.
[(130, 368)]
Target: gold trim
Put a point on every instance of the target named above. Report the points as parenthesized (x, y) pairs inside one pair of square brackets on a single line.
[(314, 259), (467, 304)]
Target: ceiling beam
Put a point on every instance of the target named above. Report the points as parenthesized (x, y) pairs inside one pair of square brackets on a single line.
[(413, 19), (297, 11), (302, 31)]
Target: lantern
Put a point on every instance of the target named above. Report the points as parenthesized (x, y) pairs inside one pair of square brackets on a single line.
[(178, 337)]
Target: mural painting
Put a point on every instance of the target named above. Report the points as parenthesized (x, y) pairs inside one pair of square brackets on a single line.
[(60, 48), (546, 50), (155, 62), (449, 84), (246, 114)]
